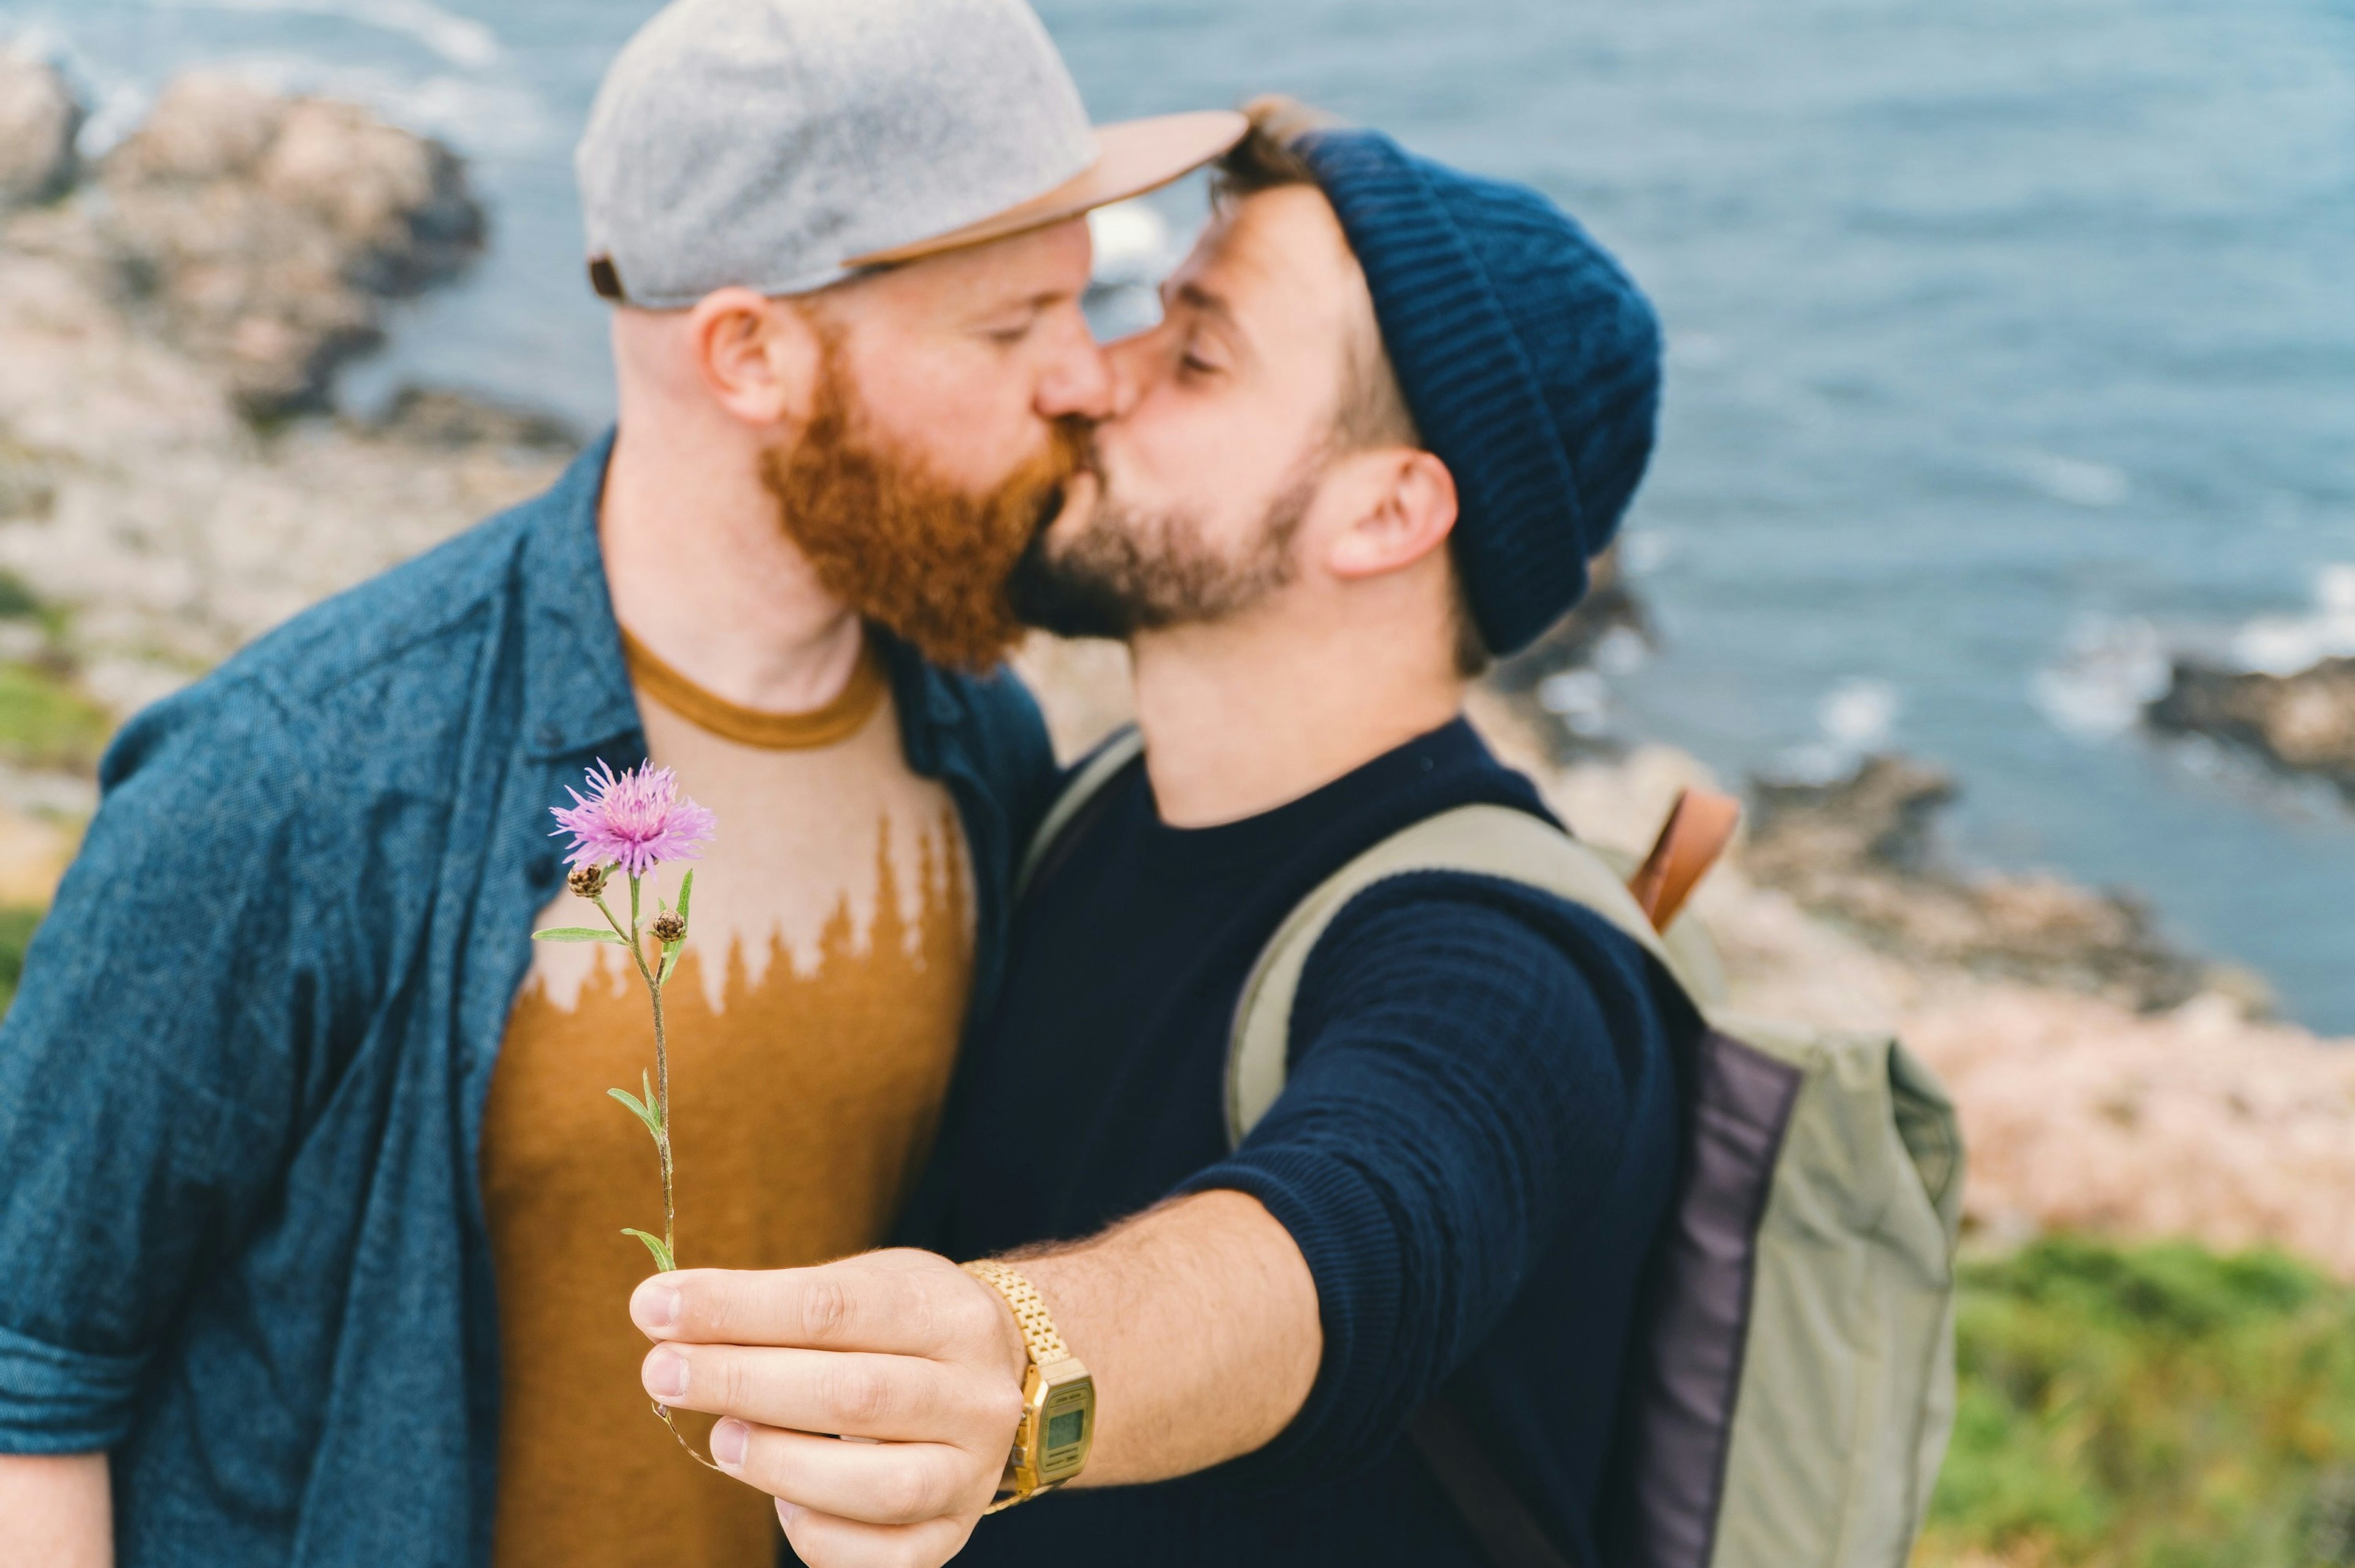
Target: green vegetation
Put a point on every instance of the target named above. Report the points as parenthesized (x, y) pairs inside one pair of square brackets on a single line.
[(16, 931), (2149, 1407), (16, 601), (46, 723)]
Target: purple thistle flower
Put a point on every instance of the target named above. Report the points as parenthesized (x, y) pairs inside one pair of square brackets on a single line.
[(637, 821)]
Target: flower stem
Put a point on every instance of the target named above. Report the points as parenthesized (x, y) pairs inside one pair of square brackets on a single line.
[(662, 1102), (654, 979)]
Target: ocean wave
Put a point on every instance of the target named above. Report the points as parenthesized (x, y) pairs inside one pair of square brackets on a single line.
[(2111, 670), (475, 115), (2076, 480), (2285, 645), (1854, 720), (461, 40), (2114, 667)]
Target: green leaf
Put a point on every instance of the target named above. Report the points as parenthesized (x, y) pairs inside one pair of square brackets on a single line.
[(647, 1087), (662, 1264), (685, 891), (670, 960), (577, 933), (644, 1112)]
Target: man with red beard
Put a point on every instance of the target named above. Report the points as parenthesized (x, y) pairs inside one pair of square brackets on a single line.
[(309, 1235)]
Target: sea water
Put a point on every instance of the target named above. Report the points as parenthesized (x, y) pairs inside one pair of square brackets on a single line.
[(2011, 348)]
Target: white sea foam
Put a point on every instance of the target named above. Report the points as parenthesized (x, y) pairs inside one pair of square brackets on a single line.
[(2285, 645), (461, 40), (1621, 652), (471, 113), (2112, 669), (1581, 699), (1135, 244), (2075, 480), (1859, 714), (1855, 718)]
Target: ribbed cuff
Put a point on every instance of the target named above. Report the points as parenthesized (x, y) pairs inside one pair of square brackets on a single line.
[(1351, 1241)]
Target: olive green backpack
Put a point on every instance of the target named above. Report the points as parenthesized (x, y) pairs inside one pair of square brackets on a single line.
[(1791, 1384)]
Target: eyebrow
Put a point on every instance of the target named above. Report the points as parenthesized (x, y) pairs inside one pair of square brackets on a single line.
[(1194, 296), (1037, 303)]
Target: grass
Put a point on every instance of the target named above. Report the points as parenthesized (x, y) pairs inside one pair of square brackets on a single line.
[(2149, 1407), (46, 723), (16, 931)]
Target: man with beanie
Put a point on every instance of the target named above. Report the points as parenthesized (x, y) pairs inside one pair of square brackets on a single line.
[(310, 1225), (1391, 413)]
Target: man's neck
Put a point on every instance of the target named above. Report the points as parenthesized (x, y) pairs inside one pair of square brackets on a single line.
[(703, 574), (1239, 721)]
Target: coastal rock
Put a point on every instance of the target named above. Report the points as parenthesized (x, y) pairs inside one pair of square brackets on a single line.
[(263, 233), (2302, 723), (453, 421), (1564, 679), (1861, 850), (38, 120), (2080, 1112)]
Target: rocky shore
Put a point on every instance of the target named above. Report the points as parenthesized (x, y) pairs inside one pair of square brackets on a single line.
[(165, 316), (169, 316), (2301, 723)]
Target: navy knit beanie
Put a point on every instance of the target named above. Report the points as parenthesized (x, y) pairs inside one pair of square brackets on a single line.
[(1530, 362)]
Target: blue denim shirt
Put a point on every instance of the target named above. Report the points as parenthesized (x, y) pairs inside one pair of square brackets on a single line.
[(242, 1238)]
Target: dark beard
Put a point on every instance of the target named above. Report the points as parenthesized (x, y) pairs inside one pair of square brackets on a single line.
[(1128, 573), (914, 554)]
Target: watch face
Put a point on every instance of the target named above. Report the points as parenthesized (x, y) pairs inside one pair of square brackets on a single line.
[(1064, 1422), (1066, 1429)]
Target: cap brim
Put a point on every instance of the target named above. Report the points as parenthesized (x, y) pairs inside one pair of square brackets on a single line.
[(1132, 158)]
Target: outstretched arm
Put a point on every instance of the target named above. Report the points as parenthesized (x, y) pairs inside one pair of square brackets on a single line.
[(1468, 1063), (1199, 1320), (55, 1509)]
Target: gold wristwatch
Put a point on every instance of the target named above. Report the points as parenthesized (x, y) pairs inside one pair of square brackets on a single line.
[(1059, 1397)]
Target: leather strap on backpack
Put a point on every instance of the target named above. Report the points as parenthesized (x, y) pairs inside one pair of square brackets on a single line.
[(1699, 826)]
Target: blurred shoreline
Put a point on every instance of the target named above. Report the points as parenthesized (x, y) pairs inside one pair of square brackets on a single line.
[(170, 487)]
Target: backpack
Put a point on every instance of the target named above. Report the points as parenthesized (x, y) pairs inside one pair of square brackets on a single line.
[(1791, 1377)]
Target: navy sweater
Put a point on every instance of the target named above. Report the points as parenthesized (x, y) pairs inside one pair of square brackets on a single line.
[(1474, 1149)]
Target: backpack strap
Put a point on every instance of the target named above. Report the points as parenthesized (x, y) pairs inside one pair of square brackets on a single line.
[(1699, 826), (1087, 781), (1491, 840)]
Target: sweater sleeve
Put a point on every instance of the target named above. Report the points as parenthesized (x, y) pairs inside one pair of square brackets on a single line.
[(1468, 1057), (147, 1066)]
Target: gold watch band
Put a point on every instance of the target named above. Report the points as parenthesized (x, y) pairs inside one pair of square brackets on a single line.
[(1039, 1332), (1057, 1428)]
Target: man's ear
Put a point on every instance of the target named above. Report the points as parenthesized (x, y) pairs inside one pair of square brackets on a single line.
[(1411, 513), (758, 358)]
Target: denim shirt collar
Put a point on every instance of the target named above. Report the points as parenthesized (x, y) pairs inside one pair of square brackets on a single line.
[(577, 691)]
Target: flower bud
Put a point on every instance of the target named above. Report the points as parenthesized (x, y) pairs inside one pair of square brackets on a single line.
[(668, 928), (588, 881)]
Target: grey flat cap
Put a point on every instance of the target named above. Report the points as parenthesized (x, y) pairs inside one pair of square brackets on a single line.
[(786, 145)]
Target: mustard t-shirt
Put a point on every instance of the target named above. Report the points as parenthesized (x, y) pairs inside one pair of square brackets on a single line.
[(812, 1021)]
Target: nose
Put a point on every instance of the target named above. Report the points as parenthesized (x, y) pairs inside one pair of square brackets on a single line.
[(1136, 362), (1076, 380)]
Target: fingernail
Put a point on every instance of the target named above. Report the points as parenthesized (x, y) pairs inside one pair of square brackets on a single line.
[(655, 1306), (728, 1441), (787, 1512), (667, 1374)]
